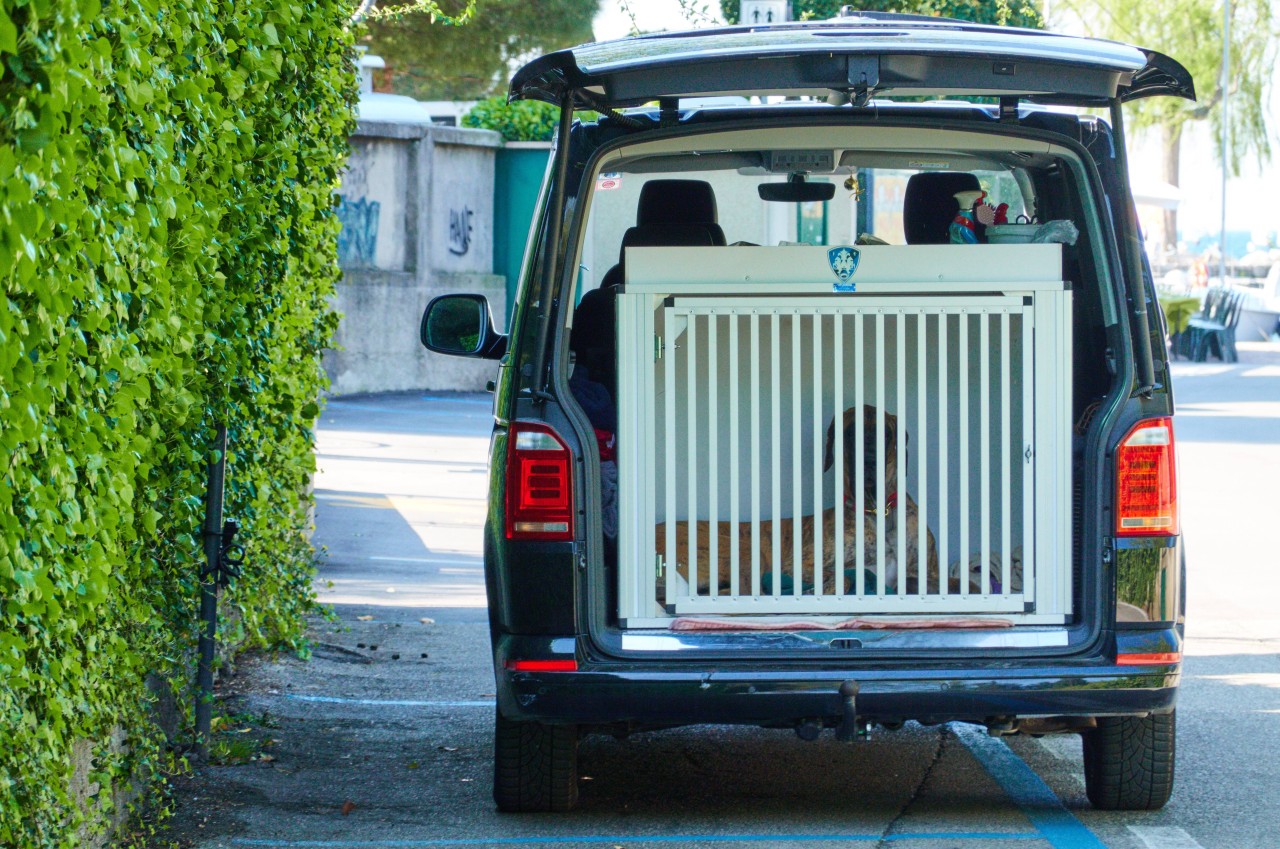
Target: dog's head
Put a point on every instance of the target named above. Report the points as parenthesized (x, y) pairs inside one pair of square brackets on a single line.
[(869, 453)]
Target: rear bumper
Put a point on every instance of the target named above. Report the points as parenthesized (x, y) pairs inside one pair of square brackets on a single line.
[(685, 693)]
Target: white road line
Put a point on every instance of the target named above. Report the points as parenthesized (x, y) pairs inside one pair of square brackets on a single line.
[(1200, 369), (1164, 837), (483, 401), (427, 560)]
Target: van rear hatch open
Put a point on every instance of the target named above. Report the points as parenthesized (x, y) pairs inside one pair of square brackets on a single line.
[(857, 57)]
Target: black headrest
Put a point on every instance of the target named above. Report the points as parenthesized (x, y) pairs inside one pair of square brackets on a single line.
[(929, 205), (676, 202), (667, 235)]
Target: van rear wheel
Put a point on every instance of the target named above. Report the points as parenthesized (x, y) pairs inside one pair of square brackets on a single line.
[(535, 766), (1128, 762)]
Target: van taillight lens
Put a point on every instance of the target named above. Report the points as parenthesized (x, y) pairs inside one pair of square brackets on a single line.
[(1146, 481), (539, 486)]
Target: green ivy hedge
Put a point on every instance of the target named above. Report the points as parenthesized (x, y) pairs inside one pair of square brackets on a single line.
[(167, 251)]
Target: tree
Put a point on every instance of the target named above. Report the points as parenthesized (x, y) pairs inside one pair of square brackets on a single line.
[(1191, 32), (1018, 13), (457, 15), (439, 61)]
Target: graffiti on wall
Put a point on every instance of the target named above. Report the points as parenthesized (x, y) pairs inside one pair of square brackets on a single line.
[(460, 230), (358, 239)]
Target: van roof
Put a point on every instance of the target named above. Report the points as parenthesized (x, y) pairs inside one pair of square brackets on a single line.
[(855, 56)]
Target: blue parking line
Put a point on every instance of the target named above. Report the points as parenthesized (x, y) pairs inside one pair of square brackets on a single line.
[(335, 700), (1028, 791), (615, 839)]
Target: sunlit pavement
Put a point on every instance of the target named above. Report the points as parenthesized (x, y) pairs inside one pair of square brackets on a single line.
[(390, 721)]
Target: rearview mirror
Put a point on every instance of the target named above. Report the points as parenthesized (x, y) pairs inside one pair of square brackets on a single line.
[(461, 326), (797, 190)]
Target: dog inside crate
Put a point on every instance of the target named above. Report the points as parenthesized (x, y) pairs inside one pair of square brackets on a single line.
[(798, 540)]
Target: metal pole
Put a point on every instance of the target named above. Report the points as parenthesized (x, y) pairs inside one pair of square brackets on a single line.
[(1226, 138), (209, 589)]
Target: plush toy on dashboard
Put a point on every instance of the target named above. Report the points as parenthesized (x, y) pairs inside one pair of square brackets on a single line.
[(974, 217)]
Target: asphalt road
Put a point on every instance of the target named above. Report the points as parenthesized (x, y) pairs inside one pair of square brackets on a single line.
[(382, 739)]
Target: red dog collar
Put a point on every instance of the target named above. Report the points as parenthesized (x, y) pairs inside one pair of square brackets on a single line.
[(891, 502)]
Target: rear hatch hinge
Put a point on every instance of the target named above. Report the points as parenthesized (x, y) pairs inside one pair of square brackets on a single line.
[(864, 77), (668, 111)]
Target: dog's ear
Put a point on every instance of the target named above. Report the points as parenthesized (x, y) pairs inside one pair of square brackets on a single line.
[(828, 454), (849, 448), (891, 439)]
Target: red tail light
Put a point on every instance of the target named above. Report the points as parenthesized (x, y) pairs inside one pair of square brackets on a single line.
[(539, 484), (1155, 659), (570, 665), (1146, 481)]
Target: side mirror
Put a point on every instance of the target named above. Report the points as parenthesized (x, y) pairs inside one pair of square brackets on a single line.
[(461, 326)]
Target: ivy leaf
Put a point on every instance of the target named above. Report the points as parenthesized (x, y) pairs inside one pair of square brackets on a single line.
[(8, 34)]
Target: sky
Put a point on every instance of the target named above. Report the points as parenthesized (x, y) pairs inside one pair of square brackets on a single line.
[(1253, 199)]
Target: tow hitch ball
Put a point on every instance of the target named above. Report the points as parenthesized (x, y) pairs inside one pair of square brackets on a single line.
[(851, 728)]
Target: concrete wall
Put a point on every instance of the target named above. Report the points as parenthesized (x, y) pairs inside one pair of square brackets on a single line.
[(417, 221)]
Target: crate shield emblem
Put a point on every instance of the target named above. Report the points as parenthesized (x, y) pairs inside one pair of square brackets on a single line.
[(844, 262)]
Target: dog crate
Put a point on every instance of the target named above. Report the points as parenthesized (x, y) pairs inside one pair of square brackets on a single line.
[(733, 364)]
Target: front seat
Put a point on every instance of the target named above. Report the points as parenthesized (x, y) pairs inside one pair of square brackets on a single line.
[(594, 339), (929, 205), (685, 202), (670, 213)]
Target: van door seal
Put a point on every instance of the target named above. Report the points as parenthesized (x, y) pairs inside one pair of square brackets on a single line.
[(554, 229), (1131, 260)]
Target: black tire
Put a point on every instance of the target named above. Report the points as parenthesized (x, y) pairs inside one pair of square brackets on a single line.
[(535, 766), (1128, 762)]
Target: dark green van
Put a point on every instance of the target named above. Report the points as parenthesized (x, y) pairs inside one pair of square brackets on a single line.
[(833, 398)]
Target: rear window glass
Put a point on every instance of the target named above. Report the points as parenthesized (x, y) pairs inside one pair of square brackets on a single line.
[(867, 202)]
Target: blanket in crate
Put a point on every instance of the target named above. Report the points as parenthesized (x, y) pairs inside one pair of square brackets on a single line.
[(695, 623)]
